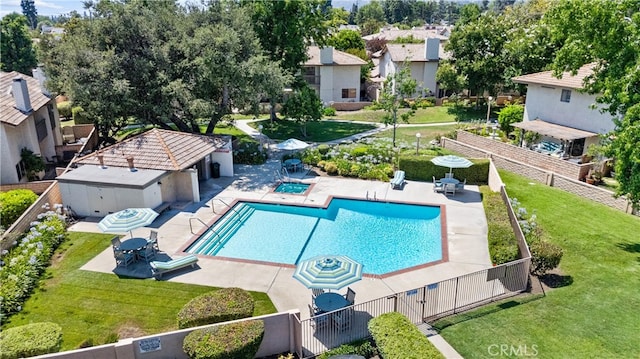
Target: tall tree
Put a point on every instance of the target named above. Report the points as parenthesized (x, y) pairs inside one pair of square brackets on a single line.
[(397, 87), (303, 107), (607, 33), (370, 18), (17, 53), (286, 28), (29, 10), (352, 14)]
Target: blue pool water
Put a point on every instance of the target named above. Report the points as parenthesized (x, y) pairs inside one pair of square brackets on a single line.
[(296, 188), (384, 237)]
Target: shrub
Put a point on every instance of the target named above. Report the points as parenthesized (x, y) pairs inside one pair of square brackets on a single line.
[(503, 245), (331, 168), (229, 341), (545, 256), (80, 116), (64, 109), (20, 268), (247, 151), (328, 111), (30, 340), (215, 307), (13, 204), (323, 149), (397, 338), (421, 168), (361, 347)]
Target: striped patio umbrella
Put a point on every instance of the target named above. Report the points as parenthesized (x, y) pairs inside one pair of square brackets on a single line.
[(127, 220), (451, 162), (328, 272)]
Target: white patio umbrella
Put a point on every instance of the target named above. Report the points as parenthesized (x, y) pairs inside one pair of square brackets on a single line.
[(292, 144), (451, 162), (127, 220), (328, 272)]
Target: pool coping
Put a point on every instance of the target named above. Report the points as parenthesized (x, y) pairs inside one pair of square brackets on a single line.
[(443, 233)]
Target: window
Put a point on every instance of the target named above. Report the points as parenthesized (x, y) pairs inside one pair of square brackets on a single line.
[(41, 129), (52, 118), (21, 170), (348, 93), (566, 96)]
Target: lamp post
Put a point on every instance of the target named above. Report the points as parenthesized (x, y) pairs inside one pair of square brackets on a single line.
[(260, 131), (489, 108), (418, 142)]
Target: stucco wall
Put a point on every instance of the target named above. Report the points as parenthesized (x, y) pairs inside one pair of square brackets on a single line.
[(544, 103), (344, 77)]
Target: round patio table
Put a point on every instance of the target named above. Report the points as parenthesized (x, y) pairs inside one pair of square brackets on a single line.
[(449, 180), (328, 302), (133, 244), (293, 163)]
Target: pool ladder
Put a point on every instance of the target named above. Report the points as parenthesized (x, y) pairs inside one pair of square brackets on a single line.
[(374, 196)]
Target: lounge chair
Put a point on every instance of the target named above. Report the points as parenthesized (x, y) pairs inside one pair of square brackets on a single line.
[(437, 185), (159, 268), (398, 179), (460, 186)]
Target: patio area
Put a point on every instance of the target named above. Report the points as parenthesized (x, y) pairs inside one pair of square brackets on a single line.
[(466, 231)]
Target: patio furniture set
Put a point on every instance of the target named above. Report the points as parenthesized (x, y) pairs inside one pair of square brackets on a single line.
[(325, 302), (134, 249)]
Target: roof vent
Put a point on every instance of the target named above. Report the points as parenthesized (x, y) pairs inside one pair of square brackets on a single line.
[(132, 168)]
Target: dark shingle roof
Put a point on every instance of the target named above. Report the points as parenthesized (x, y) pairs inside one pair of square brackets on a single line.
[(9, 113)]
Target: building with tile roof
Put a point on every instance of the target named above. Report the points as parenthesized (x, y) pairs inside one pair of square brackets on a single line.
[(28, 119), (554, 102), (154, 168), (333, 74)]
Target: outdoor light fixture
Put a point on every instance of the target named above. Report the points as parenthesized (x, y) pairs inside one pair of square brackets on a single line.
[(418, 135)]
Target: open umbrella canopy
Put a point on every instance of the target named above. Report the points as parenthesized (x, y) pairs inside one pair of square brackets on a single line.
[(451, 162), (292, 144), (127, 220), (328, 272)]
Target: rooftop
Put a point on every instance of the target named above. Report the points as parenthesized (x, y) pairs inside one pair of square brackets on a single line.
[(567, 80), (339, 58), (412, 52), (9, 113)]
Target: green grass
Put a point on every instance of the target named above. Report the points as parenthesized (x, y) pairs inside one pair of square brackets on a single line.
[(596, 314), (317, 131), (438, 114), (92, 306), (408, 134)]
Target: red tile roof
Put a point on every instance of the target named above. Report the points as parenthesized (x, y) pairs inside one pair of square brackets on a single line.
[(159, 150)]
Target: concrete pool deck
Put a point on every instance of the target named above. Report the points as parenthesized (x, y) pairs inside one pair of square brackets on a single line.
[(466, 235)]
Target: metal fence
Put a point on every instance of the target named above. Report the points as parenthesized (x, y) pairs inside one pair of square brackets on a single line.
[(424, 304)]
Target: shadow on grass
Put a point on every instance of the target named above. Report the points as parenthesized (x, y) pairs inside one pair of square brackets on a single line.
[(629, 247), (489, 309), (553, 280)]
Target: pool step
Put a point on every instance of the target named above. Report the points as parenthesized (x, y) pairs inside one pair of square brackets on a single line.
[(224, 229)]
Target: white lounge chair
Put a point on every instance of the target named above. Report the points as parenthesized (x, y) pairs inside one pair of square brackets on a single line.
[(398, 179)]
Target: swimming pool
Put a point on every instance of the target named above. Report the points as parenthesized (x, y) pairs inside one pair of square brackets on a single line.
[(295, 188), (384, 237)]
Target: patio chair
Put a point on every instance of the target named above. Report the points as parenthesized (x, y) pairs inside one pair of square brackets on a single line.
[(342, 319), (448, 175), (398, 179), (115, 242), (316, 292), (153, 240), (449, 188), (350, 296), (123, 258), (460, 186), (147, 253), (437, 185), (318, 320)]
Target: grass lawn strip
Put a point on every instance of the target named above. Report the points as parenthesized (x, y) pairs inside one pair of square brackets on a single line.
[(317, 131), (98, 308), (596, 314)]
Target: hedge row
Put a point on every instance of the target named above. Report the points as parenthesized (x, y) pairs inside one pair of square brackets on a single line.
[(214, 307), (13, 204), (397, 338), (420, 168)]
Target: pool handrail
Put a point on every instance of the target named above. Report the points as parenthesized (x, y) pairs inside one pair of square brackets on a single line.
[(213, 208), (199, 220)]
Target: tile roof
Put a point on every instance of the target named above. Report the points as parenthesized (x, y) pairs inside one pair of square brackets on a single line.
[(567, 80), (392, 34), (158, 149), (8, 111), (339, 58), (412, 52), (554, 130)]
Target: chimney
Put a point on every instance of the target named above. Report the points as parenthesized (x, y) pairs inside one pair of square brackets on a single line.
[(326, 55), (431, 49), (38, 74), (21, 94), (101, 160), (130, 161)]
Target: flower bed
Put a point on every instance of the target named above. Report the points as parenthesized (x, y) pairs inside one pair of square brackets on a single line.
[(21, 267)]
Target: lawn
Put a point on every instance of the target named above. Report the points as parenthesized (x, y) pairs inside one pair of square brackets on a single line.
[(408, 134), (596, 314), (317, 131), (97, 308), (438, 114)]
